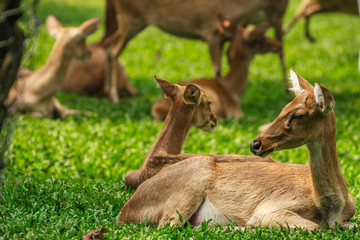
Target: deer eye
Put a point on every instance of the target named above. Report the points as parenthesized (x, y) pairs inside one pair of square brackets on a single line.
[(294, 117)]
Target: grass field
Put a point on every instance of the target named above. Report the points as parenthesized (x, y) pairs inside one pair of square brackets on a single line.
[(64, 177)]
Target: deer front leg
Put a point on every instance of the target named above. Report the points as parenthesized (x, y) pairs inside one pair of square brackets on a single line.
[(215, 48), (277, 22), (62, 111), (111, 78)]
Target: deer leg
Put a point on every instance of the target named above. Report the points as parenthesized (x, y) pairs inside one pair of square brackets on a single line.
[(176, 190), (267, 216), (279, 35), (310, 10), (215, 48), (62, 111)]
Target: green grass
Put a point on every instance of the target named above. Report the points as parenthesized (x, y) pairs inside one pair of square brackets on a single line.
[(64, 177)]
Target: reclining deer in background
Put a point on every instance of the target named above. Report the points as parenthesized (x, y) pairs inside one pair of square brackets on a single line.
[(190, 107), (308, 8), (258, 193), (190, 19), (225, 91), (88, 77), (35, 92)]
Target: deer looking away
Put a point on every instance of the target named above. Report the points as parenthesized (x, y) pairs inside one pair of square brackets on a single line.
[(35, 92), (258, 193), (190, 19), (225, 91), (308, 8), (190, 106), (88, 77)]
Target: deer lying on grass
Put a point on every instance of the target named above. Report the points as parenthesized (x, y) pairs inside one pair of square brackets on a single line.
[(258, 193), (190, 107), (190, 19), (88, 77), (225, 91), (308, 8), (35, 92)]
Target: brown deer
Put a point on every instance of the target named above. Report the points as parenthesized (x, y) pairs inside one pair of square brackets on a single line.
[(88, 77), (35, 92), (225, 91), (308, 8), (190, 19), (190, 106), (258, 193)]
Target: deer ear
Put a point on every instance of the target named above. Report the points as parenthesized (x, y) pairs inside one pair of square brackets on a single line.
[(89, 27), (192, 94), (169, 89), (324, 99), (299, 84), (53, 26)]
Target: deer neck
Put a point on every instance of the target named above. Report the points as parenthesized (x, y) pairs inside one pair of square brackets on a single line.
[(57, 65), (236, 80), (327, 178), (174, 132)]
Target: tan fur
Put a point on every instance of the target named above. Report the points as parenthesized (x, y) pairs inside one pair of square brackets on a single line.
[(193, 19), (88, 77), (308, 8), (225, 91), (35, 92), (256, 193), (184, 114), (181, 118)]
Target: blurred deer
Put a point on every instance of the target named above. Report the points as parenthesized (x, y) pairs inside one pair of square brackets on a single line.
[(308, 8), (190, 19), (225, 91), (34, 92), (190, 107), (88, 77), (258, 193)]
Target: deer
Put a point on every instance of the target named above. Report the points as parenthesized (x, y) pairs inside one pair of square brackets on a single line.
[(225, 91), (88, 77), (35, 92), (190, 107), (308, 8), (193, 19), (249, 193)]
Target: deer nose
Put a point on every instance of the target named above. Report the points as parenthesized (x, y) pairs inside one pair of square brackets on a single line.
[(255, 146)]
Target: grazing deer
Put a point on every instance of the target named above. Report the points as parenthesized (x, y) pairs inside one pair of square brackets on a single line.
[(225, 91), (308, 8), (258, 193), (35, 92), (190, 107), (190, 19), (88, 77)]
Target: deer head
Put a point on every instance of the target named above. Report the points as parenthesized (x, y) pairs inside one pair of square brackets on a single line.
[(307, 118), (72, 38), (249, 41), (190, 97)]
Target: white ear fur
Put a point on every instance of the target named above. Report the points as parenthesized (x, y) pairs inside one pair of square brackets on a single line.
[(319, 96), (53, 26), (326, 108), (295, 82)]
